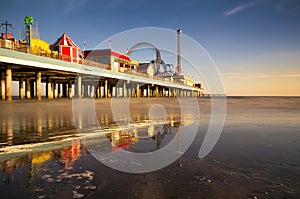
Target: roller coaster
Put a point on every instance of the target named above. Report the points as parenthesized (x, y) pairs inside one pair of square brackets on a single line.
[(160, 67)]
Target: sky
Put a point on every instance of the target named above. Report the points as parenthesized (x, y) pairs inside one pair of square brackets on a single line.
[(254, 43)]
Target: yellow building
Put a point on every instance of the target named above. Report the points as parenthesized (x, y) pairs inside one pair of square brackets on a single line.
[(39, 47), (184, 80)]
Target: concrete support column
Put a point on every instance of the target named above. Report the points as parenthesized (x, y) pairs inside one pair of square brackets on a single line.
[(3, 85), (106, 88), (117, 90), (28, 89), (109, 90), (70, 89), (58, 90), (78, 86), (157, 91), (49, 93), (148, 91), (129, 92), (38, 85), (124, 89), (8, 83), (138, 91), (32, 89), (100, 90), (163, 92), (21, 88), (97, 91), (92, 92), (64, 90), (54, 89), (86, 90)]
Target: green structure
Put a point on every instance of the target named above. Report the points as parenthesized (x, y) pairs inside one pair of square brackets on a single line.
[(28, 21)]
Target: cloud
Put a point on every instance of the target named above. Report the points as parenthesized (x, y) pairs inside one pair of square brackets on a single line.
[(290, 75), (240, 8), (257, 76), (245, 75)]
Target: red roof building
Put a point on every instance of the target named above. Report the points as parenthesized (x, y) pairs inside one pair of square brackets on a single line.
[(117, 61), (66, 48)]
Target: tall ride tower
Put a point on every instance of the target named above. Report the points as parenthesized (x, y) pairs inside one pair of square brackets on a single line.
[(179, 51)]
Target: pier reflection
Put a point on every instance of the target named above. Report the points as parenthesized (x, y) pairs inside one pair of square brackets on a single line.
[(45, 147), (41, 127)]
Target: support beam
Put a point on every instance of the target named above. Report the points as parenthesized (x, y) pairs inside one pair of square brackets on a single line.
[(38, 85), (8, 83)]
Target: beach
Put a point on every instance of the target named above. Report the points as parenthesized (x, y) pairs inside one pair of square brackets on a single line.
[(256, 156)]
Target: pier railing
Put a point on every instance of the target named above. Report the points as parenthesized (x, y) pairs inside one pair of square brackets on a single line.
[(13, 45)]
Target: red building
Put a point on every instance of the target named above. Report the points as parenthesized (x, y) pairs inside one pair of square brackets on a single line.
[(66, 48), (117, 61)]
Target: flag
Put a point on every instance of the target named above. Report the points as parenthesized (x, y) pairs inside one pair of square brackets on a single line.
[(109, 43)]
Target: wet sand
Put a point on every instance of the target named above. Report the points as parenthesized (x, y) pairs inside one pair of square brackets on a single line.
[(257, 155)]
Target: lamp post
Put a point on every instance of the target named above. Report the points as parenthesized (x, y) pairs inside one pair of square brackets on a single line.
[(6, 24)]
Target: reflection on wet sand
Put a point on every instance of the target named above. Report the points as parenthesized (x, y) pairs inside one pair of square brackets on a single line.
[(44, 148), (38, 128)]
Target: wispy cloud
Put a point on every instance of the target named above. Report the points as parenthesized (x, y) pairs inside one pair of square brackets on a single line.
[(258, 76), (240, 8), (290, 75)]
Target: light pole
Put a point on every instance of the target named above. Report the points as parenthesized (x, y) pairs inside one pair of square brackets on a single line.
[(6, 24)]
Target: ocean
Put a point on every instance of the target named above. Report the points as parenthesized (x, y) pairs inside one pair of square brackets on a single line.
[(51, 149)]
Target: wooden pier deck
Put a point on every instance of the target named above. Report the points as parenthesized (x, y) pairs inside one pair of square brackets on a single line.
[(84, 79)]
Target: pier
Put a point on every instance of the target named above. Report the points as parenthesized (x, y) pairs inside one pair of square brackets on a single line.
[(81, 79)]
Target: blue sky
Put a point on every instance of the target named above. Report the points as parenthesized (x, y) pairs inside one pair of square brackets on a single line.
[(254, 43)]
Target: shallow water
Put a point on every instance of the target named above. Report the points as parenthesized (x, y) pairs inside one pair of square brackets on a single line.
[(257, 155)]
